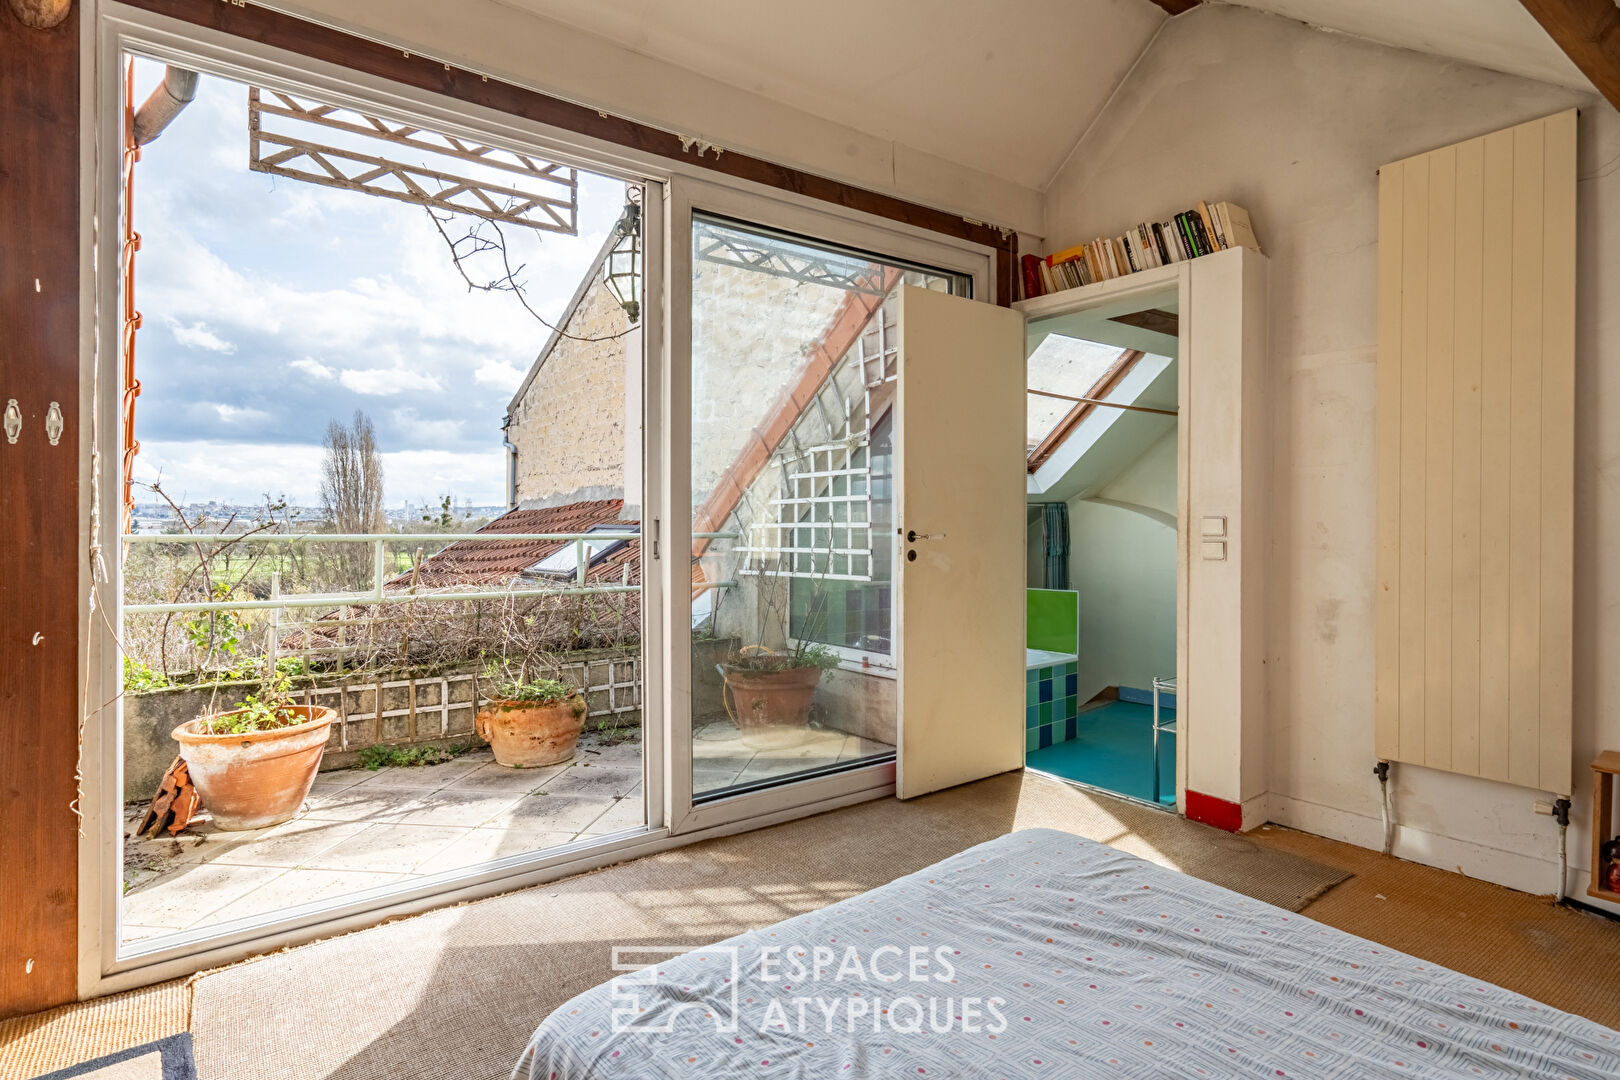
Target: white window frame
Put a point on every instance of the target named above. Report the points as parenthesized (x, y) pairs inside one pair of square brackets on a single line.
[(767, 208), (675, 188)]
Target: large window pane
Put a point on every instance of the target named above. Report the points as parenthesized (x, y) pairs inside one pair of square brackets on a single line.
[(793, 379)]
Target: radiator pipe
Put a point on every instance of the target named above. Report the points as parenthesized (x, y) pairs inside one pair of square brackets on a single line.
[(1561, 815), (163, 104), (1381, 770)]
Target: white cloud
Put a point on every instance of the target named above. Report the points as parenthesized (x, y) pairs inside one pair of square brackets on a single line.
[(232, 414), (314, 368), (244, 472), (385, 382), (426, 432), (499, 373), (208, 413), (198, 336)]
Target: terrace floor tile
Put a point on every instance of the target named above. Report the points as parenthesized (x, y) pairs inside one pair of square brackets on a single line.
[(387, 848), (457, 807), (490, 843), (599, 781)]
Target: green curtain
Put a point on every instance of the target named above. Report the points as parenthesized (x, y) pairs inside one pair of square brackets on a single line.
[(1055, 519)]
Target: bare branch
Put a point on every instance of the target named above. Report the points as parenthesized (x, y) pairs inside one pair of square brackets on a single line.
[(474, 243)]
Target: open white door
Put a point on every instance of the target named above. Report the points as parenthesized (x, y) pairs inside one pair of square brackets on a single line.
[(962, 480)]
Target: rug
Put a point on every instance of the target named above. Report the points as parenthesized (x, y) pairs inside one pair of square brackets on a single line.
[(57, 1038), (166, 1059), (457, 992)]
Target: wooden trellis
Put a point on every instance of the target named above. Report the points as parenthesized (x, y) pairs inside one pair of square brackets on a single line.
[(544, 196)]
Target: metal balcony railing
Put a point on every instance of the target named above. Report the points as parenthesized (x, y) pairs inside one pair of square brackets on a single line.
[(377, 594)]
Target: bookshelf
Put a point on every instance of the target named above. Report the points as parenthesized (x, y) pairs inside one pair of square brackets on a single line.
[(1101, 292), (1604, 771)]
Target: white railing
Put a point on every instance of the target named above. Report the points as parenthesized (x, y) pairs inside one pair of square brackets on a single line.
[(377, 594)]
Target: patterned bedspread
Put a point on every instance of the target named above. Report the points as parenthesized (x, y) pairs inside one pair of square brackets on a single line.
[(1041, 954)]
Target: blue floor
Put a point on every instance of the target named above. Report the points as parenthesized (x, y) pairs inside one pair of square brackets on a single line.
[(1113, 750)]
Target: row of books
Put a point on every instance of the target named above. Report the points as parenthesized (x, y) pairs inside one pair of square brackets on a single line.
[(1208, 228)]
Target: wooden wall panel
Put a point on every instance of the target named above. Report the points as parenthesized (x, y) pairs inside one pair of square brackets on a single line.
[(1476, 367), (40, 555)]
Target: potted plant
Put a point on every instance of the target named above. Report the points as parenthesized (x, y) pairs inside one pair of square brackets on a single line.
[(253, 765), (529, 723), (775, 689)]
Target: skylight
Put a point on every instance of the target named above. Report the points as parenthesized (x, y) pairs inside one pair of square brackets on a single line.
[(1063, 365), (564, 562)]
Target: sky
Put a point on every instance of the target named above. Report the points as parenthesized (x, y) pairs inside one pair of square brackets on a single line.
[(271, 306)]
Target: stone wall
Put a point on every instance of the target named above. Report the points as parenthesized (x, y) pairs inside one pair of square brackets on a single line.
[(568, 426)]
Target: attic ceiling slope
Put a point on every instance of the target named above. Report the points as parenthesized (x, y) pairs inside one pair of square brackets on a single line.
[(1496, 34), (967, 82)]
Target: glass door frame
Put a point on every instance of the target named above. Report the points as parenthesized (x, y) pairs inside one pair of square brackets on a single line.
[(120, 31), (674, 189), (815, 222)]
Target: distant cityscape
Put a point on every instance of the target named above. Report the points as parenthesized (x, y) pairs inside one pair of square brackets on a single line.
[(157, 517)]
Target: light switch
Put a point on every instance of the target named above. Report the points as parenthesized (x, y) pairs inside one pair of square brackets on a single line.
[(1215, 527), (1214, 550)]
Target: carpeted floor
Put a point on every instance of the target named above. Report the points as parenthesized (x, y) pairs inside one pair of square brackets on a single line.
[(55, 1039), (457, 992), (1560, 955)]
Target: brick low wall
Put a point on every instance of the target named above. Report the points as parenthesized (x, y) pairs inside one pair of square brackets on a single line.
[(404, 710)]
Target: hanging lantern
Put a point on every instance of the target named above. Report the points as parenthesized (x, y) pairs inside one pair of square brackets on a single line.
[(621, 272)]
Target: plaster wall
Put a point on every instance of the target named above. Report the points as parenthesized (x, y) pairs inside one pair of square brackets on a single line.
[(488, 36), (1292, 123), (1122, 562)]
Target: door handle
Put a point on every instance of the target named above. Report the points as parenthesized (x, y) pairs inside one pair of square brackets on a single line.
[(913, 536)]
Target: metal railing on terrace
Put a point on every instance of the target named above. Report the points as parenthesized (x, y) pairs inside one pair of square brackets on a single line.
[(377, 594)]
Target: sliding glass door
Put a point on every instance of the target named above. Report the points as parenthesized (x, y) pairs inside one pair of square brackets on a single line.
[(376, 453), (793, 379)]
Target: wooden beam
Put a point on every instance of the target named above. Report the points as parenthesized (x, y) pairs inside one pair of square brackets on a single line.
[(1589, 33), (385, 61), (40, 552), (1176, 7)]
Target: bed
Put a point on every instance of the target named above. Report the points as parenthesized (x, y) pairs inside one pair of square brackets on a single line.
[(1102, 964)]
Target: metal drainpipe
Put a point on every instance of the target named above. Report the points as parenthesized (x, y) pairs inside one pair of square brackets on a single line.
[(173, 94), (511, 464)]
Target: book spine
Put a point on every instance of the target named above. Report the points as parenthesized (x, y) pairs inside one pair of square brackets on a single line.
[(1206, 242), (1208, 222), (1032, 279), (1184, 234)]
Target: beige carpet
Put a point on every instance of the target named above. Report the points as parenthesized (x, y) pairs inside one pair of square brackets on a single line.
[(47, 1041), (1563, 956), (458, 992)]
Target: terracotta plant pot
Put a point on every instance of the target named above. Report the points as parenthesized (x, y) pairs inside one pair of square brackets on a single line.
[(763, 699), (528, 734), (258, 778)]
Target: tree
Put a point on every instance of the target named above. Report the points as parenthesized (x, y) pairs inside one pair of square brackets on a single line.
[(352, 491)]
